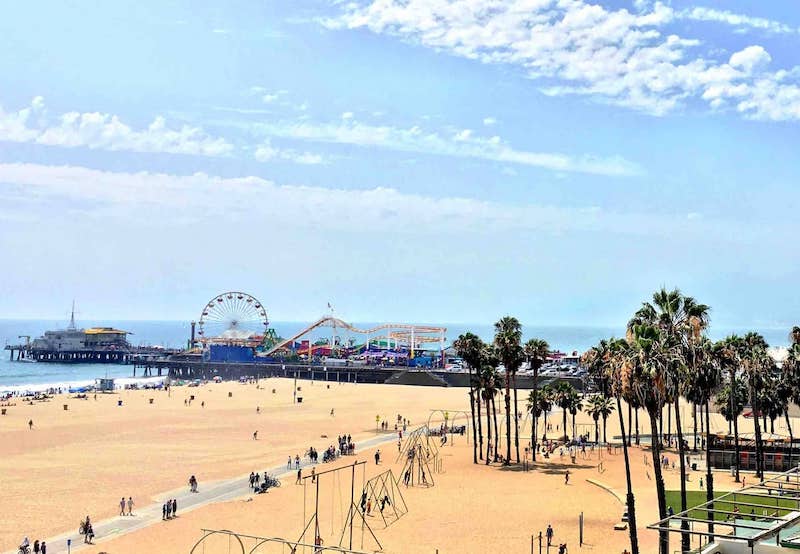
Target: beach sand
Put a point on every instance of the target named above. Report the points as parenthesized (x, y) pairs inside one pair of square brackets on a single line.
[(81, 461)]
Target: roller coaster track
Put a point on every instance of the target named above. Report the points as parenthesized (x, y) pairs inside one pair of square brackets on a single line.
[(422, 333)]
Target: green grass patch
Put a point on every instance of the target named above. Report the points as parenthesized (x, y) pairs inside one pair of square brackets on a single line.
[(781, 505)]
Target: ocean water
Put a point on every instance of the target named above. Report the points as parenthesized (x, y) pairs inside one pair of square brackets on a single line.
[(175, 334)]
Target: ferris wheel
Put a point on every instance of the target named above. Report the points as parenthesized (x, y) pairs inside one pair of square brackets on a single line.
[(232, 316)]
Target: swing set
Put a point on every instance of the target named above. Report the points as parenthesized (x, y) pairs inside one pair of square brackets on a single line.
[(383, 492)]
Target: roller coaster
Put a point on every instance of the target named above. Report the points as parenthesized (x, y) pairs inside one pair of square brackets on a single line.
[(387, 336)]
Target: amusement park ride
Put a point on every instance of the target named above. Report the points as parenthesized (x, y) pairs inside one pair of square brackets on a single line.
[(240, 319)]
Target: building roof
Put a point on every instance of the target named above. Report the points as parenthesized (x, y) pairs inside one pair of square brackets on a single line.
[(105, 331)]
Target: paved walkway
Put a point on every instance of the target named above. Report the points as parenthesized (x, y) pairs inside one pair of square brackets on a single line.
[(208, 493)]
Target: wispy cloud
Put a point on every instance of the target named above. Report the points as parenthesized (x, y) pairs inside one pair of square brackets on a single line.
[(575, 47), (740, 21), (463, 143), (266, 152), (105, 131)]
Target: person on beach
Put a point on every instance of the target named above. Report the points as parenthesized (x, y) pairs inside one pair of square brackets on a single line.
[(252, 479), (122, 506), (36, 546), (255, 435), (174, 507), (299, 476), (25, 545), (566, 478), (30, 424), (313, 475), (130, 505), (549, 534), (562, 548), (289, 463), (377, 457), (297, 461), (43, 548)]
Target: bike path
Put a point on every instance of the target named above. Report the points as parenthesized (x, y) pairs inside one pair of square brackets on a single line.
[(208, 493)]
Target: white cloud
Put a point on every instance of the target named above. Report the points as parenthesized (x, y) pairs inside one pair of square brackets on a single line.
[(106, 132), (220, 31), (489, 121), (575, 47), (267, 152), (267, 98), (347, 115), (154, 196), (700, 13), (462, 144)]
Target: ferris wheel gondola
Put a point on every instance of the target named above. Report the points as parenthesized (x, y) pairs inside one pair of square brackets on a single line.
[(232, 316)]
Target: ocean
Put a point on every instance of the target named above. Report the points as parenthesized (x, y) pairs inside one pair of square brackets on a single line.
[(175, 334)]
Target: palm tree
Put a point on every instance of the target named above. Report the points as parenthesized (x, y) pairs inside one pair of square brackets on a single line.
[(791, 379), (469, 347), (490, 384), (599, 407), (615, 356), (536, 350), (544, 402), (645, 372), (507, 341), (756, 364), (680, 321), (727, 353), (575, 406), (563, 397)]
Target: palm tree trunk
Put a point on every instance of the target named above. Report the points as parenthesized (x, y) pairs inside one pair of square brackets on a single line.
[(516, 416), (682, 453), (694, 424), (496, 433), (472, 413), (632, 531), (480, 426), (564, 422), (508, 418), (655, 450), (772, 425), (636, 415), (736, 444), (488, 431), (534, 429), (596, 431), (661, 426), (605, 423), (629, 425), (756, 420), (709, 477), (791, 438), (669, 425)]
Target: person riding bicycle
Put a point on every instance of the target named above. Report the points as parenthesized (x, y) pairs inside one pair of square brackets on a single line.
[(25, 546)]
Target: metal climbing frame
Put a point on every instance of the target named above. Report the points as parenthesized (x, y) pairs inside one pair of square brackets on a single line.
[(244, 543)]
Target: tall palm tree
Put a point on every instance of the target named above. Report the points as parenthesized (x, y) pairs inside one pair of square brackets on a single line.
[(645, 372), (470, 347), (575, 406), (563, 393), (544, 401), (539, 402), (600, 407), (791, 378), (616, 358), (756, 364), (680, 322), (536, 350), (489, 387), (728, 355), (507, 341)]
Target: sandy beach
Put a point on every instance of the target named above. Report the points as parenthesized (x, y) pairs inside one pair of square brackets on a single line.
[(81, 461)]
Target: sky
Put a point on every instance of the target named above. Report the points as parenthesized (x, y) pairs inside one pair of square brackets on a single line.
[(404, 160)]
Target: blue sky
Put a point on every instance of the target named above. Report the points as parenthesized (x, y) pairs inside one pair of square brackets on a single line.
[(426, 160)]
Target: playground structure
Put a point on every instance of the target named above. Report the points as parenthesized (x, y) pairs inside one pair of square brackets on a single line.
[(395, 343), (382, 492), (449, 426), (420, 452), (222, 540), (347, 521)]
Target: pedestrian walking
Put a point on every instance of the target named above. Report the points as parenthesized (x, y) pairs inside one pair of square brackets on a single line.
[(299, 476), (377, 456), (313, 475), (174, 507), (255, 435), (30, 424), (43, 548), (122, 506), (164, 511), (289, 463), (566, 478), (130, 505), (549, 534)]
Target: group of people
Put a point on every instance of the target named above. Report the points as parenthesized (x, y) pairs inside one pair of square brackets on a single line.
[(85, 529), (562, 547), (38, 548), (169, 509), (126, 506)]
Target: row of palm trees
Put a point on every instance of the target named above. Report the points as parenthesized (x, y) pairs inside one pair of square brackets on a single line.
[(664, 357)]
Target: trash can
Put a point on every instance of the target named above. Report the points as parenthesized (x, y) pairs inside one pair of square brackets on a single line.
[(299, 399), (151, 401), (2, 411), (694, 466), (230, 394), (119, 402), (273, 391), (66, 407)]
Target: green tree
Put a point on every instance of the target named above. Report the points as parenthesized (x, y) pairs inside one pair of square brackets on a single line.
[(507, 342), (599, 407), (470, 347), (563, 393), (536, 350)]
